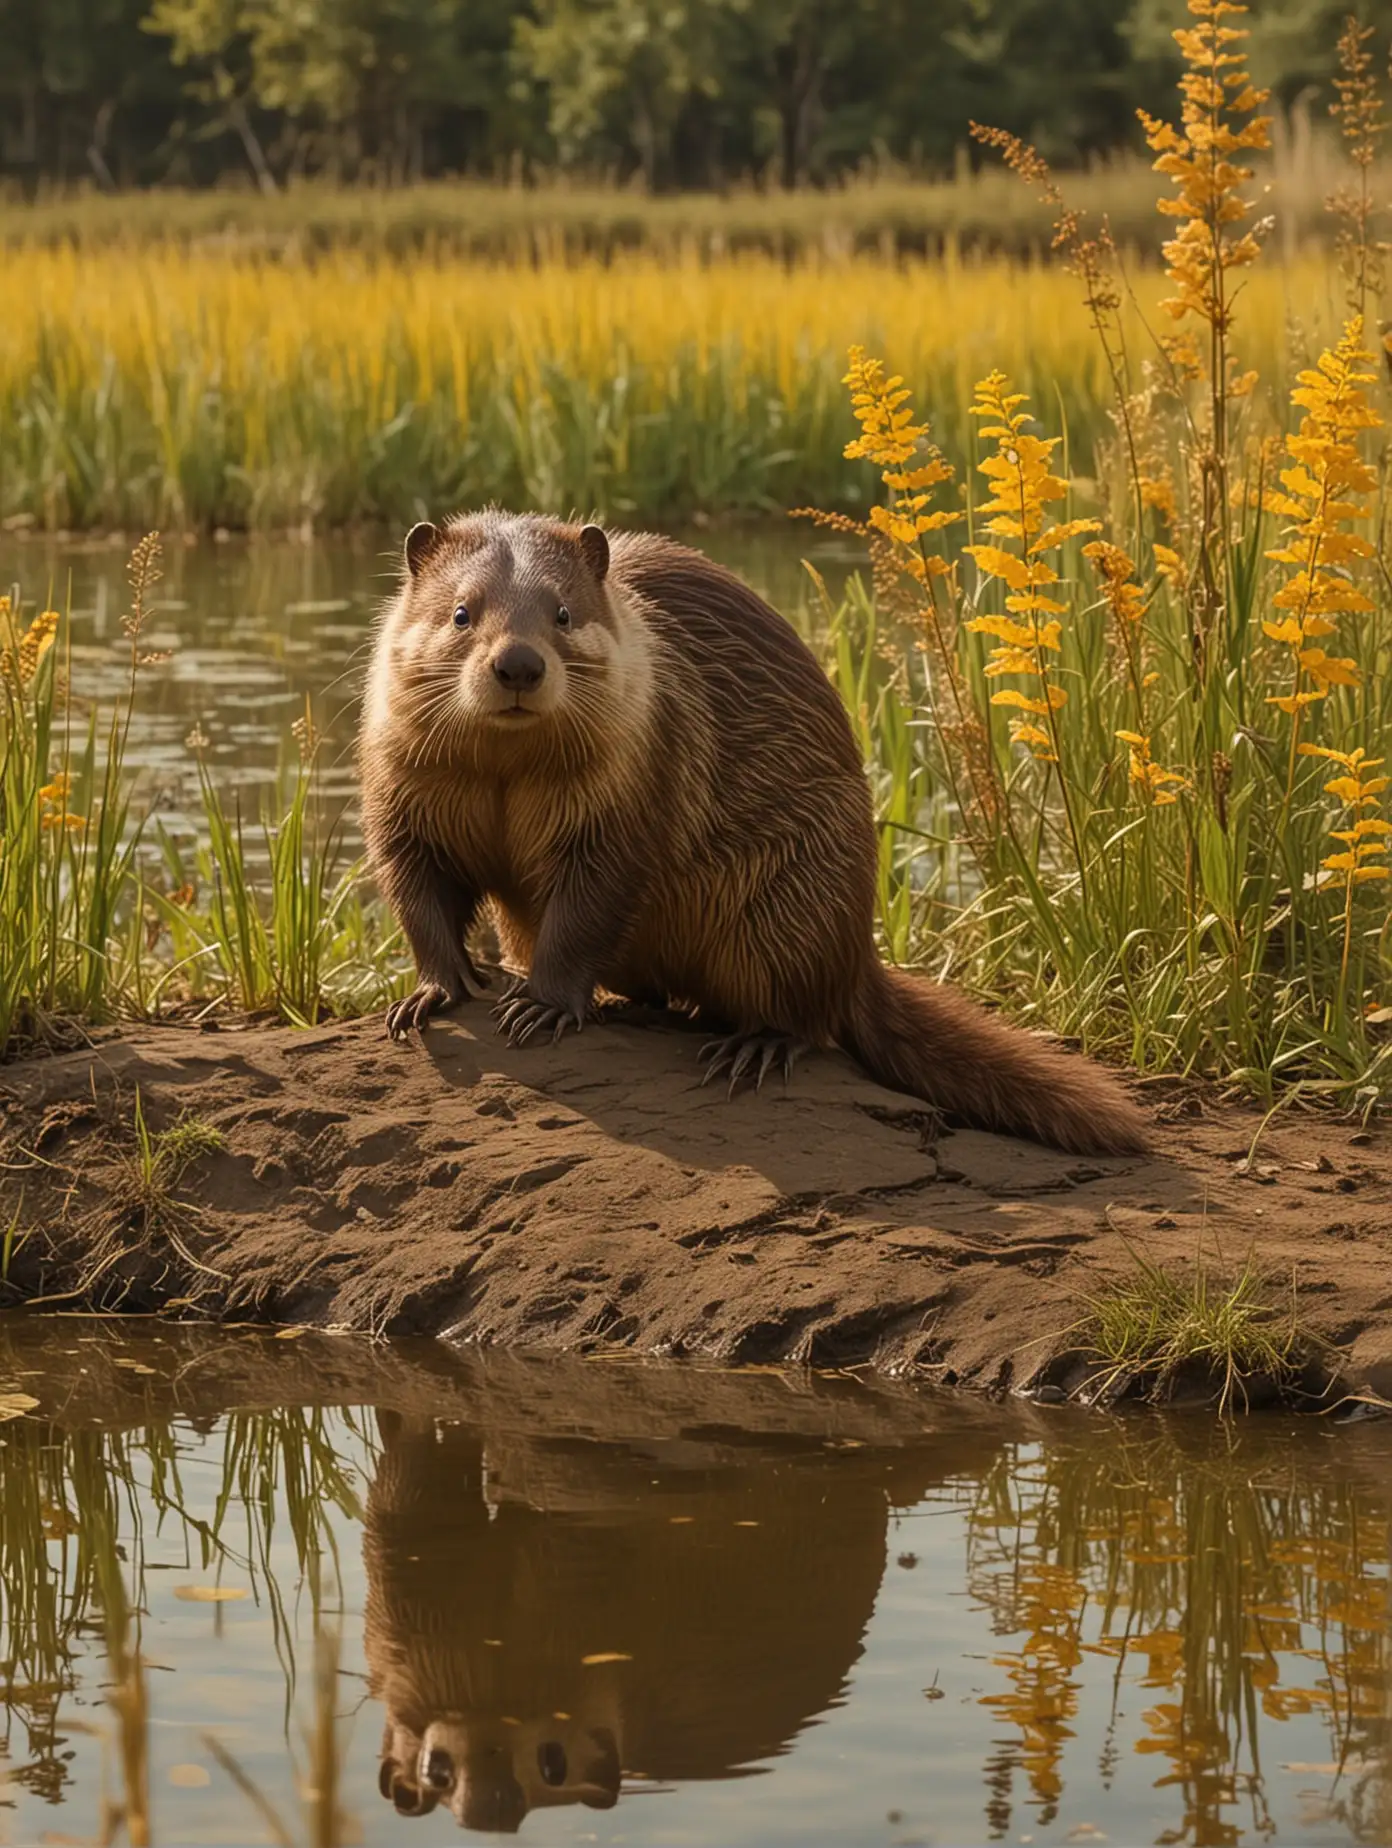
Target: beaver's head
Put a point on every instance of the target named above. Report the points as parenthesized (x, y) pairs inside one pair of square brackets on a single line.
[(492, 1773), (505, 629)]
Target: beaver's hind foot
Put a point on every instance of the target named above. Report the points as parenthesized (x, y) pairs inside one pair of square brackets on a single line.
[(751, 1055)]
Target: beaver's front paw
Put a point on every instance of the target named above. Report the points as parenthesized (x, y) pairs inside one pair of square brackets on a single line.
[(523, 1015), (426, 999)]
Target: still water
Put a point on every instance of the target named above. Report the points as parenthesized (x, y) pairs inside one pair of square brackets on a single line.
[(255, 627), (603, 1602)]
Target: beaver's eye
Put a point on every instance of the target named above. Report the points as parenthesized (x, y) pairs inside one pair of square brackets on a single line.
[(563, 617), (461, 616)]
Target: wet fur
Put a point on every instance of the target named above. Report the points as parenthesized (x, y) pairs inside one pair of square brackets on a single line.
[(689, 822)]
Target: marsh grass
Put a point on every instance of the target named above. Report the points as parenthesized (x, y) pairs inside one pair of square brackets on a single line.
[(190, 389), (319, 1767), (278, 942), (128, 1699), (149, 1176), (11, 1240), (1239, 1588), (1201, 1325), (103, 915), (74, 1515), (880, 212)]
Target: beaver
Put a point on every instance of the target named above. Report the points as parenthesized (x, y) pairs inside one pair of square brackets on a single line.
[(545, 1627), (641, 769)]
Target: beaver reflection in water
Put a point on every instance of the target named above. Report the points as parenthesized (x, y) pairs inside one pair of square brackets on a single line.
[(541, 1621)]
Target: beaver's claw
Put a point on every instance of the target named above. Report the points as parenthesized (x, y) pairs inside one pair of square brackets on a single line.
[(751, 1055), (521, 1017), (415, 1011)]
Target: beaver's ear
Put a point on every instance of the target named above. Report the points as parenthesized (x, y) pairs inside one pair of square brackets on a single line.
[(421, 541), (594, 549)]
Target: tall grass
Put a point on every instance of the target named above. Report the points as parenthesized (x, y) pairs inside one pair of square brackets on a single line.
[(880, 212), (66, 846), (1131, 765), (193, 388), (101, 914)]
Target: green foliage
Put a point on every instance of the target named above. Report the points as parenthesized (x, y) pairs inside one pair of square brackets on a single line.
[(276, 941), (674, 92), (67, 850), (1164, 748)]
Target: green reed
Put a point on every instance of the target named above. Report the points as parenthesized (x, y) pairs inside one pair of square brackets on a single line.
[(102, 917)]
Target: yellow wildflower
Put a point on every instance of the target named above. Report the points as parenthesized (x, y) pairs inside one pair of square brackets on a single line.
[(1155, 785), (1364, 838), (911, 467), (53, 803), (34, 644), (1325, 490), (1127, 602), (1199, 157), (890, 438), (1168, 562), (1117, 571), (1157, 488), (1023, 487)]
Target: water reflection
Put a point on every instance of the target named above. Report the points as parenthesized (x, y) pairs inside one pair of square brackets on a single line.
[(1226, 1581), (581, 1600), (544, 1624)]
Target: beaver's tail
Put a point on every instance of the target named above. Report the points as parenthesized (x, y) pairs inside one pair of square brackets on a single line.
[(914, 1035)]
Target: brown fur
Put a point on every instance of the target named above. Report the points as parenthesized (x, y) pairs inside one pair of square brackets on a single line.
[(684, 817)]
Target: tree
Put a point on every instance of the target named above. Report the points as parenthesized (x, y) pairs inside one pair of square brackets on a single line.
[(619, 72)]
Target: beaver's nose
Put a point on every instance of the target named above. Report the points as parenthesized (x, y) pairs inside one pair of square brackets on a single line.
[(519, 668)]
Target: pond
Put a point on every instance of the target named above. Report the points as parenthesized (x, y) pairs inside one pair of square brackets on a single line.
[(255, 627), (601, 1601)]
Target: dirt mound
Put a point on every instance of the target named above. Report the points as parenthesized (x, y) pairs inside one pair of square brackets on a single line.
[(593, 1195)]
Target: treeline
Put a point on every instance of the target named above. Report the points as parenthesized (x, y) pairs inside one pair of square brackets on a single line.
[(669, 93)]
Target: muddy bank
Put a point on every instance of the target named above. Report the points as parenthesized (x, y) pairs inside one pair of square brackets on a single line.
[(592, 1196)]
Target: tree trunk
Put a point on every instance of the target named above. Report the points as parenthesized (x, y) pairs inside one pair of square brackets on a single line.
[(645, 140), (800, 69), (96, 147), (255, 153)]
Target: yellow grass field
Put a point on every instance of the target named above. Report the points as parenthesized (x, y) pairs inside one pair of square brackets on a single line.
[(153, 385)]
